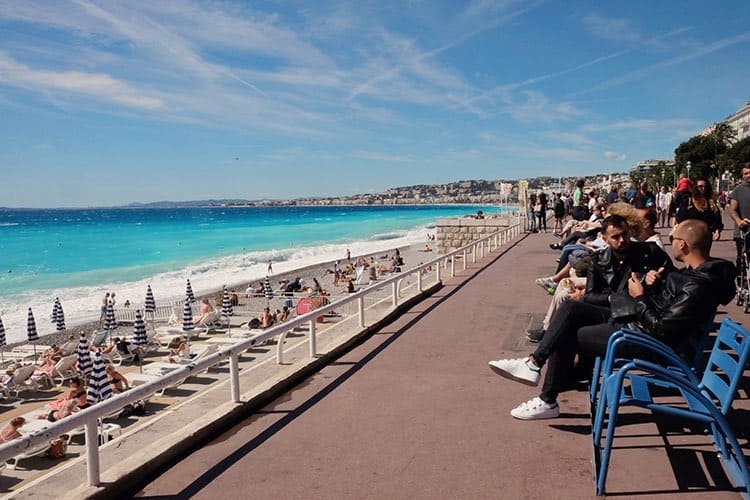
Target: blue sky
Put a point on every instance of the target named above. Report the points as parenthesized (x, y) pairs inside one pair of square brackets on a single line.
[(105, 103)]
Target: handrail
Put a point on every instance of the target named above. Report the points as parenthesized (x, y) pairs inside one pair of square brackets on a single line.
[(88, 417)]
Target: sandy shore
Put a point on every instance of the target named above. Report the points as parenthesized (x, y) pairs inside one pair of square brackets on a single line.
[(413, 255)]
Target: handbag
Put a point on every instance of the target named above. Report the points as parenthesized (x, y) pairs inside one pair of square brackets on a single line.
[(57, 448)]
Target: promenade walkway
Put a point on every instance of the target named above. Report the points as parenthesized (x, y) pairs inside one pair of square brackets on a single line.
[(414, 412)]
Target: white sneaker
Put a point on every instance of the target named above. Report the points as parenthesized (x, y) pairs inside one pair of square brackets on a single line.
[(520, 369), (535, 409), (547, 283)]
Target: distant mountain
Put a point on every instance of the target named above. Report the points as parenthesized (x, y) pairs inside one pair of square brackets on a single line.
[(189, 204)]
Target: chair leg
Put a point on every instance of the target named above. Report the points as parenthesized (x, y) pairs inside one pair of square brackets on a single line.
[(606, 452)]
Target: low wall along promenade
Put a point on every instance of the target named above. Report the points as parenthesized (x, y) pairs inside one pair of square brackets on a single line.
[(455, 233)]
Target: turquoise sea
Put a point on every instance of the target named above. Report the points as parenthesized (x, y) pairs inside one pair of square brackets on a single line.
[(79, 254)]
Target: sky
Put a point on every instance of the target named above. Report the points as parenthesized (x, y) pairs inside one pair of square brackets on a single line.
[(106, 103)]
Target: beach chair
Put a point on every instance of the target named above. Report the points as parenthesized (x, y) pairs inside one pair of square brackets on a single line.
[(64, 369), (69, 347), (706, 401), (22, 381), (99, 338), (12, 463), (116, 357), (210, 323)]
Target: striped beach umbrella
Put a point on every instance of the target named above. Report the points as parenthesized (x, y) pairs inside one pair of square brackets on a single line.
[(140, 339), (150, 304), (226, 305), (109, 318), (3, 340), (31, 327), (267, 290), (84, 365), (55, 309), (189, 292), (99, 386), (60, 317), (187, 318)]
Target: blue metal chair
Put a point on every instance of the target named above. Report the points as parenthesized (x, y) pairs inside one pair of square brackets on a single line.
[(723, 373), (602, 369)]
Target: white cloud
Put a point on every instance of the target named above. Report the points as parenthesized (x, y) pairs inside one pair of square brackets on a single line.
[(92, 84), (611, 155)]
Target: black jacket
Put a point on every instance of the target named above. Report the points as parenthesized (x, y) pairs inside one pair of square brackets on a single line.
[(676, 309), (602, 281)]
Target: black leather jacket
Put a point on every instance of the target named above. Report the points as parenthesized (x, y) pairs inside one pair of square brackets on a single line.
[(601, 280), (677, 308)]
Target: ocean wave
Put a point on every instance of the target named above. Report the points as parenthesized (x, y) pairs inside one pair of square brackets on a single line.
[(9, 224)]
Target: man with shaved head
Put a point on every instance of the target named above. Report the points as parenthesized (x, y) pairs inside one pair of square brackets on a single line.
[(673, 306)]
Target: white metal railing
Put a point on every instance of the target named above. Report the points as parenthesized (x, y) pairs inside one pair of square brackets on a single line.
[(88, 417)]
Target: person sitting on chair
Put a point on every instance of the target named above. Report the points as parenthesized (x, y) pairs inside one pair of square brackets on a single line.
[(673, 307)]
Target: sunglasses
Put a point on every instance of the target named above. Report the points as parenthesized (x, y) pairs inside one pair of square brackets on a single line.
[(672, 238)]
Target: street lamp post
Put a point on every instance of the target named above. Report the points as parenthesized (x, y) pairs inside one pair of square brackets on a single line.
[(688, 169)]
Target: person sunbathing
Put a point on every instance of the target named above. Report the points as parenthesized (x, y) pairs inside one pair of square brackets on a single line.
[(206, 309), (179, 351), (77, 392), (67, 409), (10, 431), (116, 379), (266, 319)]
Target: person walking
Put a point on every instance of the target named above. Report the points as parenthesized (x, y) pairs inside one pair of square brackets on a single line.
[(543, 204), (270, 267)]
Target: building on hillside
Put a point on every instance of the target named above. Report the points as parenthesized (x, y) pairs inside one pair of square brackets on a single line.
[(645, 167), (740, 122)]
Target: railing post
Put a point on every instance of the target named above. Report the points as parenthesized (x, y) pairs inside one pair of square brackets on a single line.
[(361, 307), (419, 281), (464, 259), (92, 452), (437, 279), (474, 254), (234, 376), (394, 293), (453, 266), (313, 339)]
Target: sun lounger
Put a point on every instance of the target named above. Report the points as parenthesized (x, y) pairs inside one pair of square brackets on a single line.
[(65, 369), (40, 450), (22, 381), (69, 347)]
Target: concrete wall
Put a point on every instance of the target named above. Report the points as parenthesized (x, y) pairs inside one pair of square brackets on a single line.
[(455, 233)]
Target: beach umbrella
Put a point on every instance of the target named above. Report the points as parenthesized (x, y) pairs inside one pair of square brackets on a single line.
[(226, 306), (55, 310), (60, 317), (139, 337), (3, 340), (189, 292), (150, 305), (84, 356), (31, 329), (99, 387), (187, 318), (267, 290), (109, 318)]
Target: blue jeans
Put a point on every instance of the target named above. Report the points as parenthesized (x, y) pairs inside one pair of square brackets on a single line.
[(532, 220)]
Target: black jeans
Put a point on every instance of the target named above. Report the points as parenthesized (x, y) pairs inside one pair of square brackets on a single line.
[(559, 346)]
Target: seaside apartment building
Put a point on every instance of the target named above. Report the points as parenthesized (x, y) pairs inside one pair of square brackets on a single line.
[(739, 121)]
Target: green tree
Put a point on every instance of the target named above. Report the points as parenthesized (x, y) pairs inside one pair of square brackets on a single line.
[(738, 154)]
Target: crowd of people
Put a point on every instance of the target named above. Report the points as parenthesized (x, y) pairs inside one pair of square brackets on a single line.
[(689, 199), (613, 271)]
